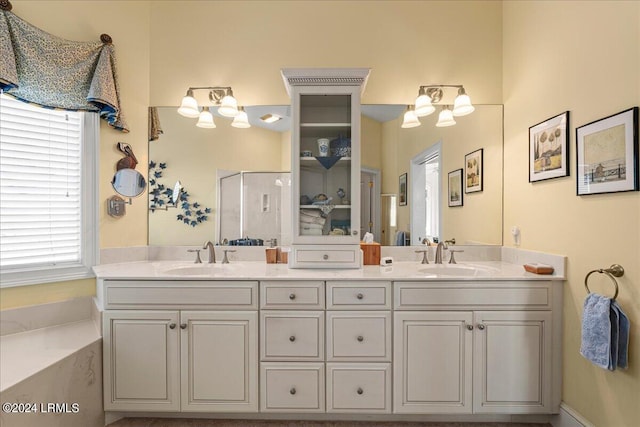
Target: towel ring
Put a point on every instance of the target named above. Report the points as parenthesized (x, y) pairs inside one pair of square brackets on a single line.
[(615, 270)]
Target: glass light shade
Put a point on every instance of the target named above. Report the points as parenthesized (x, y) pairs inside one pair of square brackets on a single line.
[(410, 120), (206, 119), (462, 105), (424, 107), (241, 120), (445, 118), (228, 106), (189, 107)]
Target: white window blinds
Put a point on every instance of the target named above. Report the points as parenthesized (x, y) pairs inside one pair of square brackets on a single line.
[(40, 186)]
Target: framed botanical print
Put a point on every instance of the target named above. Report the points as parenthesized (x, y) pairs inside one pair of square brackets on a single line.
[(607, 154), (549, 148), (473, 171), (455, 188)]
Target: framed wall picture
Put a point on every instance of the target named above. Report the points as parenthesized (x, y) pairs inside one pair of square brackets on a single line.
[(607, 154), (402, 193), (473, 171), (455, 188), (549, 148)]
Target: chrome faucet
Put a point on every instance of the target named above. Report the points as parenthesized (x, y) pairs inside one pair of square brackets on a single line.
[(225, 259), (212, 252), (441, 246)]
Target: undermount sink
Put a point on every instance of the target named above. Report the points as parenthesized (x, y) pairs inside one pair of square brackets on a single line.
[(455, 270), (199, 270)]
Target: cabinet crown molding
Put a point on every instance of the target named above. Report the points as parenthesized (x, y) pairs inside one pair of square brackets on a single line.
[(325, 77)]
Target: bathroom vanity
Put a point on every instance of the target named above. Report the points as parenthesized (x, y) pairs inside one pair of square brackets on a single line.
[(250, 337)]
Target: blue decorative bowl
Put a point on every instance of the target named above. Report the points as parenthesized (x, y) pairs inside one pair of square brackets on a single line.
[(341, 146)]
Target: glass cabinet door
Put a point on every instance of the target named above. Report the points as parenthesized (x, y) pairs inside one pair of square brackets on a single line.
[(328, 161)]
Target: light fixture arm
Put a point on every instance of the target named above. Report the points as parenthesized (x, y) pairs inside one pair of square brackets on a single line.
[(216, 93), (435, 91)]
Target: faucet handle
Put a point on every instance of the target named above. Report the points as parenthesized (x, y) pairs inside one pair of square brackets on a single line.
[(452, 241), (197, 251), (452, 260), (424, 252), (225, 260)]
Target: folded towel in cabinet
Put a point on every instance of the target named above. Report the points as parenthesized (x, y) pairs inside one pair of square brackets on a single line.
[(596, 330)]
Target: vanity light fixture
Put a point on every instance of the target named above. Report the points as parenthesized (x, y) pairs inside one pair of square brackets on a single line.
[(432, 94), (205, 119), (445, 118), (241, 120), (220, 96), (410, 119)]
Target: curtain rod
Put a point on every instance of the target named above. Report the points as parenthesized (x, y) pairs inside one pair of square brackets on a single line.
[(6, 5)]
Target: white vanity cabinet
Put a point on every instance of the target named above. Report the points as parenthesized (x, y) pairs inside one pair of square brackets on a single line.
[(292, 370), (463, 348), (186, 348), (325, 106), (359, 347)]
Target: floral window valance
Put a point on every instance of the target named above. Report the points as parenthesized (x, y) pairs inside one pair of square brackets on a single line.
[(43, 69)]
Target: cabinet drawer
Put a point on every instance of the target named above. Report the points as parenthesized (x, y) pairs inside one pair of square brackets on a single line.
[(292, 387), (334, 255), (365, 295), (295, 335), (364, 336), (473, 296), (188, 294), (292, 295), (359, 388)]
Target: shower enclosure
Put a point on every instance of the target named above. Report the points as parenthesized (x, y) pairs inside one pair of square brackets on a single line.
[(254, 207)]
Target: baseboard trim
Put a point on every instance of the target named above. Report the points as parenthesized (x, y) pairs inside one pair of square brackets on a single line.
[(569, 417)]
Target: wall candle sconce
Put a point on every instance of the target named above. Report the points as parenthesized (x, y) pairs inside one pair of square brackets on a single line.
[(432, 94), (221, 96)]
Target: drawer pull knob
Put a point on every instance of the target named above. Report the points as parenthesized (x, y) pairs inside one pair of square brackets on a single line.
[(292, 338), (470, 327), (360, 390), (360, 338), (325, 257), (480, 326), (183, 326), (172, 326), (360, 296), (292, 391), (292, 296)]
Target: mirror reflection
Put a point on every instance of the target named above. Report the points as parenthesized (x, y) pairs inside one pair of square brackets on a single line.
[(201, 158)]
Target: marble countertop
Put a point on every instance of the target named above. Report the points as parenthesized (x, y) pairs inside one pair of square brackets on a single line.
[(254, 270)]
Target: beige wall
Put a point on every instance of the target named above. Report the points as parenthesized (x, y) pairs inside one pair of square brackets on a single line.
[(479, 220), (371, 143), (194, 156), (245, 44), (583, 57)]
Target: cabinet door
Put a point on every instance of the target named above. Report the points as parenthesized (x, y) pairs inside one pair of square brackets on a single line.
[(432, 362), (326, 182), (140, 351), (219, 364), (512, 362)]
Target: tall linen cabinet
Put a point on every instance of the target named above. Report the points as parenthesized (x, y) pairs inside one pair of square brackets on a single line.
[(325, 166)]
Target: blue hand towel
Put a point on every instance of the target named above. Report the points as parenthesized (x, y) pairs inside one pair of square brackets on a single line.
[(613, 348), (623, 336), (400, 238), (596, 330)]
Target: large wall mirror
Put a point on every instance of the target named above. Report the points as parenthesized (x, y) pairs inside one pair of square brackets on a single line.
[(200, 158)]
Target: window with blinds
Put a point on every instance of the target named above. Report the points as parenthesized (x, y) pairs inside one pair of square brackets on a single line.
[(43, 194)]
